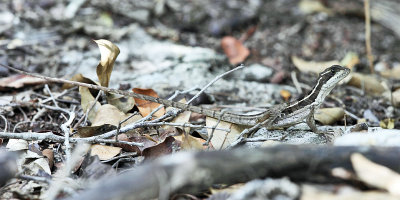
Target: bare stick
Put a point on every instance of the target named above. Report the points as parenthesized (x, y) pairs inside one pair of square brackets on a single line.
[(51, 95), (213, 81), (295, 82), (49, 136), (368, 36)]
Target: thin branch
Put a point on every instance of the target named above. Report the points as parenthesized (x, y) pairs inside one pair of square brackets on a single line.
[(49, 136), (51, 95), (370, 57), (295, 82), (213, 81)]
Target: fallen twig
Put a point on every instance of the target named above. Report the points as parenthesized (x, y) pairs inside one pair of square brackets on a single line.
[(193, 172)]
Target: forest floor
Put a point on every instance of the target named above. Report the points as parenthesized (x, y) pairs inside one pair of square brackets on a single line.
[(169, 46)]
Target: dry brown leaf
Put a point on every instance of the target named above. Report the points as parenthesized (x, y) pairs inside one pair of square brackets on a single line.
[(230, 189), (104, 152), (221, 139), (234, 50), (312, 192), (89, 131), (19, 81), (109, 114), (160, 149), (312, 66), (329, 116), (87, 100), (181, 118), (367, 82), (192, 143), (49, 154), (38, 164), (147, 142), (145, 107), (376, 175), (123, 103), (109, 53), (392, 73), (350, 60)]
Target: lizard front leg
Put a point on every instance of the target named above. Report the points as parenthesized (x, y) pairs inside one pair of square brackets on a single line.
[(311, 123)]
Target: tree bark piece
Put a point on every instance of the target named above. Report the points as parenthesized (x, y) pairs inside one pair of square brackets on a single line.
[(192, 172)]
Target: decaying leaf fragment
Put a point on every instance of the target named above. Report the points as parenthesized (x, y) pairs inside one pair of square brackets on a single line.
[(367, 82), (109, 53), (146, 107), (329, 116), (221, 139), (234, 50), (376, 175), (104, 152), (312, 66), (19, 81)]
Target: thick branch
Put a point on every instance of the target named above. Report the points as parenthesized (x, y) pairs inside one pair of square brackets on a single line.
[(192, 172)]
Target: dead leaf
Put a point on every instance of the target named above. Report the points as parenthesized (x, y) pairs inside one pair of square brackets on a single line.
[(234, 50), (311, 6), (221, 139), (350, 60), (367, 82), (309, 192), (376, 175), (146, 141), (33, 163), (142, 139), (49, 154), (230, 189), (123, 103), (104, 152), (87, 100), (17, 144), (19, 81), (328, 116), (392, 73), (192, 143), (160, 149), (109, 114), (93, 169), (89, 131), (146, 107), (109, 53), (312, 66), (181, 118), (387, 123)]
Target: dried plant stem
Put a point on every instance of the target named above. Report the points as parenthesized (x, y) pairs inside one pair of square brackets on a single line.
[(370, 57), (49, 136)]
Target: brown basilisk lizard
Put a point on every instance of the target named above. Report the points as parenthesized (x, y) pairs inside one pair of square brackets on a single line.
[(279, 116)]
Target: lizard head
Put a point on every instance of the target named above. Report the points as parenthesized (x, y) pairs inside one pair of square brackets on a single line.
[(328, 79), (332, 75)]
